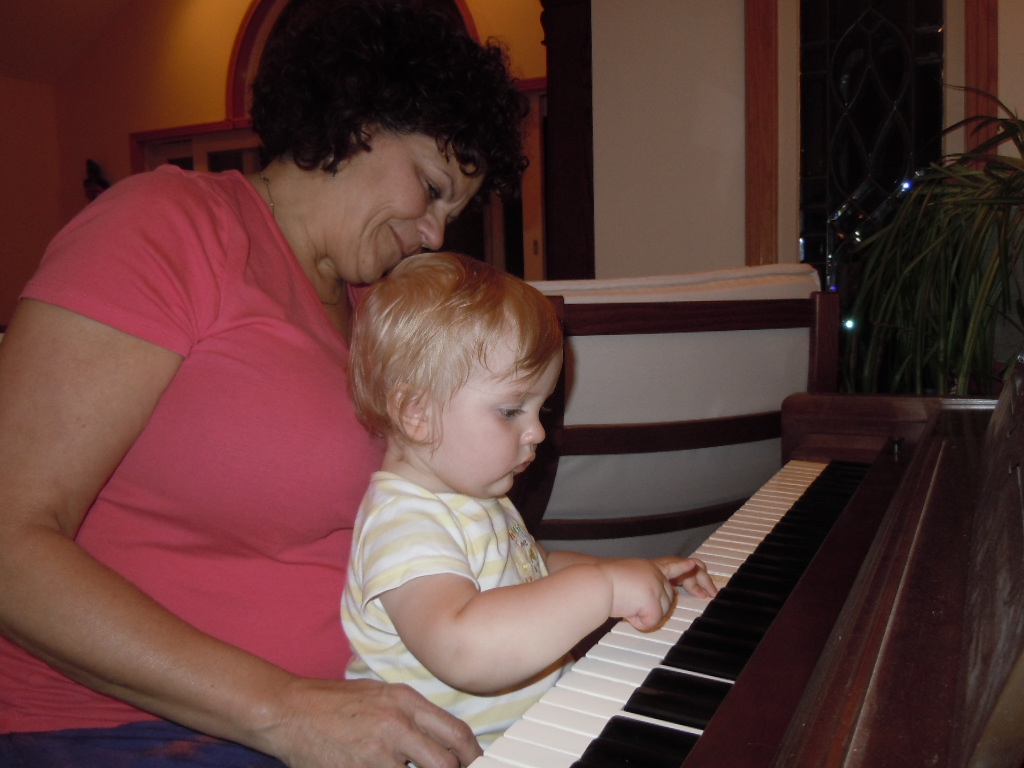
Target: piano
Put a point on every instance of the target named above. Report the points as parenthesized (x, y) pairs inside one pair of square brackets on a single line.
[(899, 642)]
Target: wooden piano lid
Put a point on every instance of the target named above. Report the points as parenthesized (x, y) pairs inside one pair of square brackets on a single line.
[(925, 664), (993, 707)]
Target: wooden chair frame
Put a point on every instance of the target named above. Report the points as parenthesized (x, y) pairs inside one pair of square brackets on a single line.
[(532, 491)]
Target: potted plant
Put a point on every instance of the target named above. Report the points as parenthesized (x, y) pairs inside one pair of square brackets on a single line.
[(932, 286)]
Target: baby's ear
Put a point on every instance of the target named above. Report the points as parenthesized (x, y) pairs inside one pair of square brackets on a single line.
[(409, 411)]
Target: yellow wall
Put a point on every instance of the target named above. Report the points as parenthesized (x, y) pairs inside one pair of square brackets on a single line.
[(518, 25), (159, 64)]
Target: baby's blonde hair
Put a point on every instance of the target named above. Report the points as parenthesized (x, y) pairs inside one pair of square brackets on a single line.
[(420, 332)]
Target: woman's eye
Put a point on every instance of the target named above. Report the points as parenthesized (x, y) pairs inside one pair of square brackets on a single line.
[(511, 413), (433, 192)]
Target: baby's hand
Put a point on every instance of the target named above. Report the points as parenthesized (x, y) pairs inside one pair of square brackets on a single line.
[(641, 591), (689, 573)]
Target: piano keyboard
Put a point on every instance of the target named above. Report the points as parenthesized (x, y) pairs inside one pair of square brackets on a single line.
[(643, 698)]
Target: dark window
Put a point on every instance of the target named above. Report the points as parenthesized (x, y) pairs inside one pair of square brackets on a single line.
[(871, 115)]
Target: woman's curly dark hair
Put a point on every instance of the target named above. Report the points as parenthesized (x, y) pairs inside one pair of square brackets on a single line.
[(334, 69)]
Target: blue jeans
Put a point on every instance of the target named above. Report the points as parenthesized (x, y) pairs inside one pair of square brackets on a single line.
[(136, 745)]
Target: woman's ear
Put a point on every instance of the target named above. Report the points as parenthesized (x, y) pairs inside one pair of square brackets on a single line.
[(410, 413)]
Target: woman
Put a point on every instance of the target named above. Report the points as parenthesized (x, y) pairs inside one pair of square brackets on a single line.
[(179, 465)]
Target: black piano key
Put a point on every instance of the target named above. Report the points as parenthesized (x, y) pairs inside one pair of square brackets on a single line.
[(628, 742), (784, 569), (767, 595), (753, 575), (749, 586), (710, 654), (674, 697), (710, 626), (740, 614), (786, 553)]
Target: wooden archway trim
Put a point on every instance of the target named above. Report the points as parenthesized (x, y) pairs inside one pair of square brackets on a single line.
[(248, 42), (981, 61)]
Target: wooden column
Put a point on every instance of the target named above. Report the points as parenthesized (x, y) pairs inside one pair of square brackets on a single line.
[(981, 54), (761, 34), (569, 141)]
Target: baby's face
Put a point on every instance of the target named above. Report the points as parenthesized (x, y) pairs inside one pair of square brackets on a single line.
[(490, 429)]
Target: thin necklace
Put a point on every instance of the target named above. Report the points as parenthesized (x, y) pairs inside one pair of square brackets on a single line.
[(273, 213), (270, 197)]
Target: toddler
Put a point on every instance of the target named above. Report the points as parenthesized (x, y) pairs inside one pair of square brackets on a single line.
[(451, 362)]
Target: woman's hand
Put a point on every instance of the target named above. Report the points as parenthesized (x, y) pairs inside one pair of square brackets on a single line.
[(363, 724)]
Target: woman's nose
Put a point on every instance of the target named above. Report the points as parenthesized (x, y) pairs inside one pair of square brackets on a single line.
[(431, 230)]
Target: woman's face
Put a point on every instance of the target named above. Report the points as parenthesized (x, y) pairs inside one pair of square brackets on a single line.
[(388, 203)]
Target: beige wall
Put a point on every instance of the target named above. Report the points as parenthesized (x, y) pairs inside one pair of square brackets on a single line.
[(668, 128), (668, 136)]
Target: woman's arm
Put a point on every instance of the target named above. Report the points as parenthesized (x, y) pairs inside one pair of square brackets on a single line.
[(74, 395)]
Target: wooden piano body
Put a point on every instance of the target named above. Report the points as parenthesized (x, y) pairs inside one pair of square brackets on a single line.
[(902, 645), (904, 642)]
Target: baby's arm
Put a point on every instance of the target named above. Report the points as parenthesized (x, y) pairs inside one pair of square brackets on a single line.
[(694, 579), (486, 641)]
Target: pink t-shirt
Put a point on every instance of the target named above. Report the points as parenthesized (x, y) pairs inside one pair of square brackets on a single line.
[(234, 508)]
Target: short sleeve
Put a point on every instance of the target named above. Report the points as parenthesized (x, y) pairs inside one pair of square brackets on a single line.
[(146, 257), (405, 539)]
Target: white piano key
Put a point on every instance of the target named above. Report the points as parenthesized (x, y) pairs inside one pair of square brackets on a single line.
[(612, 690), (688, 607), (746, 528), (549, 736), (566, 719), (626, 658), (580, 701), (717, 567), (732, 539), (719, 550), (636, 642), (488, 761), (522, 754), (759, 524), (608, 671), (664, 636), (678, 622)]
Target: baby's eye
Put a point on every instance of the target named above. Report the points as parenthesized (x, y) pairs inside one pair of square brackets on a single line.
[(510, 413)]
